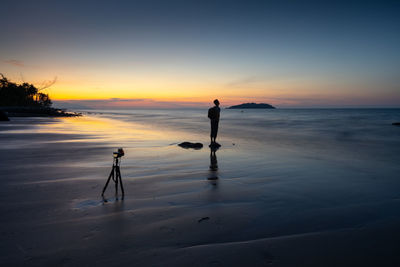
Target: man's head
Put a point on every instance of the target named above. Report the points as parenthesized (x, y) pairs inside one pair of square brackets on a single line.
[(216, 102)]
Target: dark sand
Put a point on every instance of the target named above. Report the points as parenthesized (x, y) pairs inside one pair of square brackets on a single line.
[(173, 215)]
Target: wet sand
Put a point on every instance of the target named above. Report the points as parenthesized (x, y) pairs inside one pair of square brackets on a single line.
[(302, 212)]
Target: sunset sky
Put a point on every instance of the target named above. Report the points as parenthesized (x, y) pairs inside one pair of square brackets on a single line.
[(186, 53)]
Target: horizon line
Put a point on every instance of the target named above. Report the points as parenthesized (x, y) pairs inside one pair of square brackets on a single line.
[(125, 103)]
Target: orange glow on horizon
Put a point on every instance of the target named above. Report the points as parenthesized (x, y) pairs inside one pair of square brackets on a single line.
[(118, 90)]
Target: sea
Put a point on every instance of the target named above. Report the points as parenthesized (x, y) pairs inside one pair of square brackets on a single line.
[(324, 180), (340, 156), (255, 143), (334, 134)]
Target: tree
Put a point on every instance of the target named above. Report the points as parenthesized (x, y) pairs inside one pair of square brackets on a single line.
[(25, 94)]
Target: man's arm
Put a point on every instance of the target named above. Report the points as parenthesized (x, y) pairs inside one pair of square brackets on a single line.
[(210, 113)]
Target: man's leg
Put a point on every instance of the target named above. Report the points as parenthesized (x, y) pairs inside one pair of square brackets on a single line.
[(215, 131), (212, 132)]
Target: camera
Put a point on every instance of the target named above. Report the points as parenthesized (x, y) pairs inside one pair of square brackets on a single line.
[(119, 153), (115, 174)]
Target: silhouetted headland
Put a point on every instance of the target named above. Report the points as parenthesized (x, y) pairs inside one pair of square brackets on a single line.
[(252, 105), (396, 123), (26, 100)]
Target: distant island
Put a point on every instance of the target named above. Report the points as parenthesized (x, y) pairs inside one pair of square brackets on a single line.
[(252, 105)]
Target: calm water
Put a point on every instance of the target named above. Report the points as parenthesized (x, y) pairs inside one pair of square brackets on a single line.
[(336, 132), (282, 155), (340, 146), (281, 173)]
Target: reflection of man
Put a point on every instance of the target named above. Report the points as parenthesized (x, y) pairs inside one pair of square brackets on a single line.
[(213, 173), (213, 160), (213, 115)]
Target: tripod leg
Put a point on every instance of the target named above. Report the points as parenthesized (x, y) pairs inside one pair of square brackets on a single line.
[(108, 180), (116, 182), (120, 180)]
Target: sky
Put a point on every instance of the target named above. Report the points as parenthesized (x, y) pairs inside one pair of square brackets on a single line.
[(187, 53)]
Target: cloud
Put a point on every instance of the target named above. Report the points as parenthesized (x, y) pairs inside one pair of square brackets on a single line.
[(15, 62), (123, 99)]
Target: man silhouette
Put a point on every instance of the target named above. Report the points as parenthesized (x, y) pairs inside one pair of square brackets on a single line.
[(213, 115)]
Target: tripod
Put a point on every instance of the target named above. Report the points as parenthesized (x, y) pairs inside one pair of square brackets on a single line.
[(116, 176)]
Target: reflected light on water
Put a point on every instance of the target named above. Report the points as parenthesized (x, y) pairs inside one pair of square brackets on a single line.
[(105, 129)]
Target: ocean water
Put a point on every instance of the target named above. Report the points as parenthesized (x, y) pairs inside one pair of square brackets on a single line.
[(297, 158), (281, 173), (335, 133), (325, 156), (283, 143)]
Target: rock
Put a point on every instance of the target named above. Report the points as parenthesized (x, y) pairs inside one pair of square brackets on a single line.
[(396, 123), (191, 145), (214, 145), (3, 116)]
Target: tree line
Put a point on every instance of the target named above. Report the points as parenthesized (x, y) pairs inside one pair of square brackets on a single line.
[(24, 94)]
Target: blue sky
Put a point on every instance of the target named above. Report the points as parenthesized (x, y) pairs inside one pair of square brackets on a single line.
[(290, 53)]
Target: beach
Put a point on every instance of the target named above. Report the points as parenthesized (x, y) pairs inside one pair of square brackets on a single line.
[(312, 187)]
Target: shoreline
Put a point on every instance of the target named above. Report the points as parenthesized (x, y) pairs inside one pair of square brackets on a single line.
[(38, 112)]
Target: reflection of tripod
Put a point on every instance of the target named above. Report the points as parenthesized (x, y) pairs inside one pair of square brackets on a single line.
[(115, 175)]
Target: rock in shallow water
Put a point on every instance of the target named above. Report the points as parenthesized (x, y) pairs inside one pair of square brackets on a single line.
[(191, 145)]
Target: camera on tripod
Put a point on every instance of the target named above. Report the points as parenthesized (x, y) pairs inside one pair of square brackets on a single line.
[(115, 174), (119, 153)]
